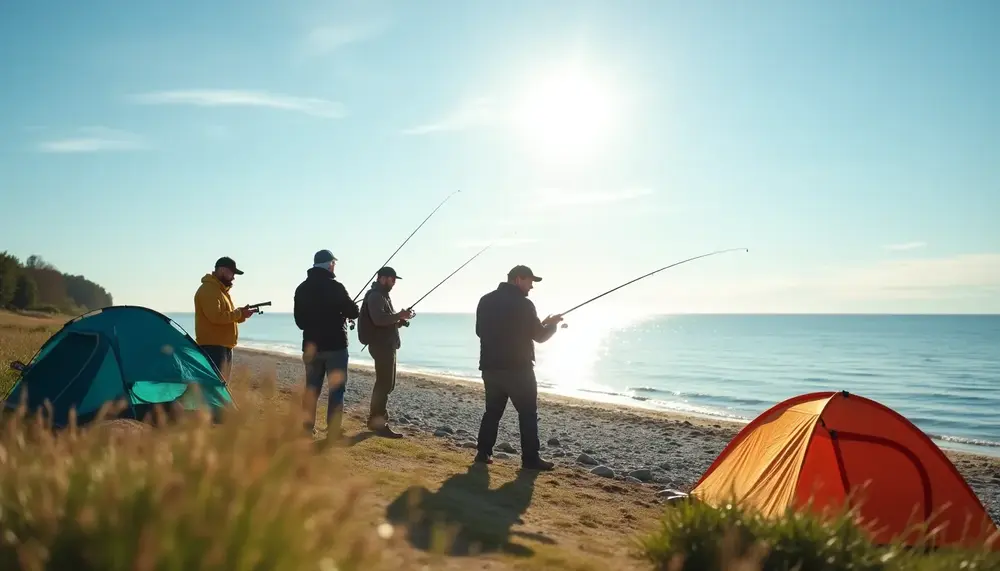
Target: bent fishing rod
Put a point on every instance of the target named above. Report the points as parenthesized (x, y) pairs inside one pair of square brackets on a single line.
[(389, 259), (595, 298), (467, 262)]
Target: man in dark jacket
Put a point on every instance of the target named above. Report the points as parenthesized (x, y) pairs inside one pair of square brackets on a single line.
[(322, 306), (508, 327), (378, 327)]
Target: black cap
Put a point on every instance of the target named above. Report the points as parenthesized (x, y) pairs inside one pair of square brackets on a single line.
[(229, 264), (324, 257), (388, 272), (522, 272)]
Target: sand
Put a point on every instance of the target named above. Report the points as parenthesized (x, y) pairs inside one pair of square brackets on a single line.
[(647, 448)]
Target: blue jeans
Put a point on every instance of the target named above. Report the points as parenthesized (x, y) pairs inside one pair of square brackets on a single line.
[(328, 366)]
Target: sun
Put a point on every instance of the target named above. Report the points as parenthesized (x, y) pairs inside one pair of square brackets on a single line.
[(566, 115)]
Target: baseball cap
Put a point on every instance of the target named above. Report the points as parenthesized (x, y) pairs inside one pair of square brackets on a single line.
[(229, 264), (324, 257), (388, 272), (522, 272)]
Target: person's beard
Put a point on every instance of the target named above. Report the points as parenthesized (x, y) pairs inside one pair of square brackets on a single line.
[(228, 282)]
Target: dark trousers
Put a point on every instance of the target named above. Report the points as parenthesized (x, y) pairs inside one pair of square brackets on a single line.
[(522, 390), (222, 357), (385, 382)]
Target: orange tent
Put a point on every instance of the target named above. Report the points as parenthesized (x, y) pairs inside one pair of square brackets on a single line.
[(826, 451)]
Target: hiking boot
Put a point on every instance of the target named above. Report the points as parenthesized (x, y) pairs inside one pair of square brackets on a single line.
[(386, 432), (483, 458), (537, 464)]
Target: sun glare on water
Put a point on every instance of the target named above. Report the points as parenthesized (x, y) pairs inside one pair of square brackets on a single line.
[(565, 115), (568, 360)]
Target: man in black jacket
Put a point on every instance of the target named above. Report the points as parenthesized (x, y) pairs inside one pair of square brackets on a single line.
[(322, 306), (378, 328), (508, 327)]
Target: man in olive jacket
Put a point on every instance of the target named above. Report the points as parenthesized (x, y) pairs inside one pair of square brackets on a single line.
[(378, 327), (322, 307)]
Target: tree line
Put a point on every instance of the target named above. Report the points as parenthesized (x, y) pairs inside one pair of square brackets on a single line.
[(38, 285)]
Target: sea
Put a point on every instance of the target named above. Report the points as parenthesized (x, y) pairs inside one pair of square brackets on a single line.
[(942, 372)]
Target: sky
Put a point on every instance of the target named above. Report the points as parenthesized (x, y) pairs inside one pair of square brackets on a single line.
[(851, 147)]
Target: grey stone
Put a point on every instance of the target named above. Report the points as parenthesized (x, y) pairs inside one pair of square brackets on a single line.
[(642, 474), (603, 471), (506, 447)]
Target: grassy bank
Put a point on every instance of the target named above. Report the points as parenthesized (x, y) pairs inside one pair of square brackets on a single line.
[(254, 494)]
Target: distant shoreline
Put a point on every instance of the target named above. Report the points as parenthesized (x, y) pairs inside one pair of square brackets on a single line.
[(707, 314)]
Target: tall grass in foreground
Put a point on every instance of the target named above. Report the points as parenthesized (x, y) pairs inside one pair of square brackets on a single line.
[(692, 535), (248, 494)]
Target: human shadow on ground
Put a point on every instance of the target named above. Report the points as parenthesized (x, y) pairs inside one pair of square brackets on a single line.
[(324, 444), (464, 516)]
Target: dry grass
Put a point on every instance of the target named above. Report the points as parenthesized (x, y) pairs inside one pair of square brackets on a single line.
[(131, 482)]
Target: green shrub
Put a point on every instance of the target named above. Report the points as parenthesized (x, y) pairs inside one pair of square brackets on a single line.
[(692, 535)]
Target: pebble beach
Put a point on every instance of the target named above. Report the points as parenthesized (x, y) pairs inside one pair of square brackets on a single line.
[(656, 450)]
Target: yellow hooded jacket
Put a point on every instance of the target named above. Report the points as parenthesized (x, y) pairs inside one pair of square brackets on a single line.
[(215, 317)]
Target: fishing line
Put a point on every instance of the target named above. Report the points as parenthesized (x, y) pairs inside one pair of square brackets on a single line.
[(448, 277), (595, 298), (385, 263), (403, 244)]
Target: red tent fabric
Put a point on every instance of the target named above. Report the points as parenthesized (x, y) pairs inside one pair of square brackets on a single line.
[(826, 451)]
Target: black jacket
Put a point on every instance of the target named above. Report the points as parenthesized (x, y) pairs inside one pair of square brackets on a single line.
[(322, 308), (507, 325)]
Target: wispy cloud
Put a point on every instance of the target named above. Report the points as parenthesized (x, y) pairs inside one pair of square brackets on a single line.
[(473, 113), (925, 278), (918, 279), (241, 98), (94, 140), (905, 246), (323, 40)]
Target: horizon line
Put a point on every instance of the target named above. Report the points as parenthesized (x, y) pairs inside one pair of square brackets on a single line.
[(719, 313)]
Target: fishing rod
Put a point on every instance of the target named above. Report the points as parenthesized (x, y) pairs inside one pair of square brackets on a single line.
[(467, 262), (595, 298), (449, 276), (389, 259)]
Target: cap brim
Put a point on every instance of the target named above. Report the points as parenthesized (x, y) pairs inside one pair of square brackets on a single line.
[(536, 279), (238, 272)]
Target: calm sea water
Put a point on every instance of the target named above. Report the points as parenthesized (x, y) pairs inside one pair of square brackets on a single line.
[(941, 372)]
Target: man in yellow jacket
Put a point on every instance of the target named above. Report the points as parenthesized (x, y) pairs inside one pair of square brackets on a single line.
[(215, 316)]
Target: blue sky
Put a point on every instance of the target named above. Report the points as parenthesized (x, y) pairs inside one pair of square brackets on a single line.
[(851, 146)]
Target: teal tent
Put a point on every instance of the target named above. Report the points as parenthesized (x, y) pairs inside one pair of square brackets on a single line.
[(119, 353)]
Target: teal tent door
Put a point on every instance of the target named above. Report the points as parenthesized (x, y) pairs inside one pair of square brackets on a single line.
[(67, 375)]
